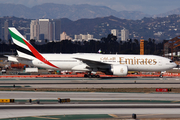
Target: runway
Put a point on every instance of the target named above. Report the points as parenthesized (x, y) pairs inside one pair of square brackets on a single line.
[(87, 103), (93, 82), (88, 95), (120, 111)]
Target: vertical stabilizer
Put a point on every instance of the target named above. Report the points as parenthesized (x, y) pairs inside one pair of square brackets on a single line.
[(21, 44), (25, 49)]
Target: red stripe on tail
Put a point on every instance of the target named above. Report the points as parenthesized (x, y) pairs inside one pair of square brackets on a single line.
[(37, 55)]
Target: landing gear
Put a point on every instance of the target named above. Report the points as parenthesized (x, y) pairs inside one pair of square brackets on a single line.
[(161, 76), (97, 76), (91, 76), (86, 75)]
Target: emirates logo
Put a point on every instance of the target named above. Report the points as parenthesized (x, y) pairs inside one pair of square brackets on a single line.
[(121, 71)]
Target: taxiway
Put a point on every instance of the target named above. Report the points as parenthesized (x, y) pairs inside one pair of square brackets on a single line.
[(93, 82)]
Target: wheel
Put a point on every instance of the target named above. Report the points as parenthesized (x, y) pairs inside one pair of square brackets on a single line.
[(97, 76), (160, 76), (90, 76), (93, 76), (85, 75)]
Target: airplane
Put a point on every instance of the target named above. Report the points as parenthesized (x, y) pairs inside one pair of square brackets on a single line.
[(110, 64)]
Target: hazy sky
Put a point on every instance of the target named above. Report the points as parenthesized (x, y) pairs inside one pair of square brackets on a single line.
[(147, 6)]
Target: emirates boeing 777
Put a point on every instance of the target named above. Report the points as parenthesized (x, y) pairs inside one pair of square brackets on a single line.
[(112, 64)]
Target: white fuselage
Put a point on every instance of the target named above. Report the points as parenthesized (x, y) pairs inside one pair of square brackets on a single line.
[(133, 62)]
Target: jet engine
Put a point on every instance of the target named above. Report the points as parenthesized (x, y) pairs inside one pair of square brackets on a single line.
[(120, 70)]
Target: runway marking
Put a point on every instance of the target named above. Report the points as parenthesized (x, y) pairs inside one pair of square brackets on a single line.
[(46, 117), (177, 79), (17, 79), (113, 115), (175, 101)]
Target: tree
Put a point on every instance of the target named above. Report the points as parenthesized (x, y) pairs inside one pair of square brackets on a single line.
[(32, 41), (46, 40)]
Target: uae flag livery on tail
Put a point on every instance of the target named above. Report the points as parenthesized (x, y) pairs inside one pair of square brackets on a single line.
[(25, 49)]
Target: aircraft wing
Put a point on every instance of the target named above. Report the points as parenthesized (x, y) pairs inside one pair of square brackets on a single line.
[(93, 63)]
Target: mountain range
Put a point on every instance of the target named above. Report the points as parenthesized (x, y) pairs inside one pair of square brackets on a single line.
[(73, 12), (161, 28), (175, 11)]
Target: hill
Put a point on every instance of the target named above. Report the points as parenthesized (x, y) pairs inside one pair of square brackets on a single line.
[(73, 12), (172, 12), (157, 28)]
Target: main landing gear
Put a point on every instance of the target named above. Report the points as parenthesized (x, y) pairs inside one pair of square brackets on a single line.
[(161, 76), (91, 76)]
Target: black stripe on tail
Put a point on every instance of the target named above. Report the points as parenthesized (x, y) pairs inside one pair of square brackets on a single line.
[(24, 50)]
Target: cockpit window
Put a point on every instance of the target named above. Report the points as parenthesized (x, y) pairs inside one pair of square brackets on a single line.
[(171, 61)]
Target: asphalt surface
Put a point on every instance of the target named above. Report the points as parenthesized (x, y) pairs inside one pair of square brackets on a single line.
[(80, 106), (146, 110), (93, 82), (116, 112), (88, 95)]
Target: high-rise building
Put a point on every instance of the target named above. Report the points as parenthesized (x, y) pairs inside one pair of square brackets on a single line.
[(1, 30), (45, 27), (64, 36), (7, 23), (6, 30), (83, 37), (78, 36), (34, 29), (124, 34), (42, 29), (115, 32), (56, 29)]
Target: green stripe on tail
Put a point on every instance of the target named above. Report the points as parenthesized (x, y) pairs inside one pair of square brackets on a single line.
[(16, 37)]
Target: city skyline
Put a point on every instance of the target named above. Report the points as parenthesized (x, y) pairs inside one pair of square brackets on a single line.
[(152, 7), (155, 28), (45, 29)]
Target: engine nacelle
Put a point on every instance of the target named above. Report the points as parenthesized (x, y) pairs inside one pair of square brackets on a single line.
[(120, 70)]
